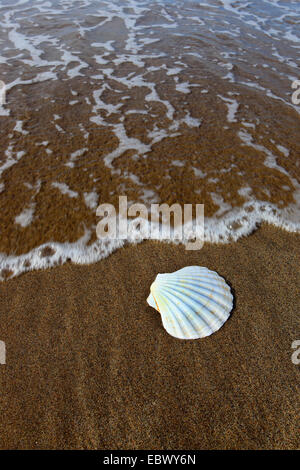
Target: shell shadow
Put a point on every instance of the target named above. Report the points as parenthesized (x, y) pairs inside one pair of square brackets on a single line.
[(232, 289)]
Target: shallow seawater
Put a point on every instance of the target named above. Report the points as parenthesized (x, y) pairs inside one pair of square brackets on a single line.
[(161, 101)]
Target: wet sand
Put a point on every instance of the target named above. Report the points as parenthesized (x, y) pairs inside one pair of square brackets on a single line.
[(89, 365), (158, 102)]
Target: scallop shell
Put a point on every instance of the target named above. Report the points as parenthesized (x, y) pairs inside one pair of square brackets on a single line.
[(194, 302)]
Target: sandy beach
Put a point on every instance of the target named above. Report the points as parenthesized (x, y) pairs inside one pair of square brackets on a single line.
[(89, 365), (163, 102)]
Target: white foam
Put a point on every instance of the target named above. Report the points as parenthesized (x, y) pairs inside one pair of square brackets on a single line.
[(171, 70), (224, 207), (183, 87), (104, 45), (12, 158), (283, 150), (198, 173), (19, 128), (235, 224), (91, 199), (191, 121), (64, 189), (26, 217), (178, 163), (3, 111), (232, 106), (75, 155)]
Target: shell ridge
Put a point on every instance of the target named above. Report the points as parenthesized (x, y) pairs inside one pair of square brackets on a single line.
[(180, 295), (191, 269), (203, 286), (197, 319), (219, 282), (221, 299), (168, 319), (197, 276), (207, 307)]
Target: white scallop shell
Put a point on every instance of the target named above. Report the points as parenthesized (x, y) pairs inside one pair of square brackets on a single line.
[(194, 302)]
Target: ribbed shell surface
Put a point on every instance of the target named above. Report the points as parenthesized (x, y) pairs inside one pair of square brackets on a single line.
[(194, 302)]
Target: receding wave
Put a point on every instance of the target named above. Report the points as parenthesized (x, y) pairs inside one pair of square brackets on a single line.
[(162, 101)]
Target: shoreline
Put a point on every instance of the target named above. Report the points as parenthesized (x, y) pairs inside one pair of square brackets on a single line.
[(240, 223), (89, 365)]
